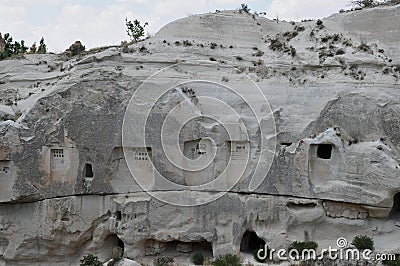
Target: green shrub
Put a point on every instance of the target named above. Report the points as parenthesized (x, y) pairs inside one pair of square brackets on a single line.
[(198, 259), (227, 260), (90, 260), (163, 260), (363, 242), (300, 246)]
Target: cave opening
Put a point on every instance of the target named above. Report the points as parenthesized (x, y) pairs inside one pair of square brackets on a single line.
[(118, 215), (120, 244), (88, 170), (251, 242), (112, 246), (395, 212), (324, 151)]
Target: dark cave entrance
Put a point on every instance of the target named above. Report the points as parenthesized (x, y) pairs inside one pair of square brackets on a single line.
[(324, 151), (251, 242), (395, 212), (121, 244), (112, 246), (88, 170)]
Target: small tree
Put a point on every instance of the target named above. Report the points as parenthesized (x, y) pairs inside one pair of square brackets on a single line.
[(42, 47), (135, 30)]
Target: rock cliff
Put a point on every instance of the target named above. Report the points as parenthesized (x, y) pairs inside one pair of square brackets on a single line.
[(221, 130)]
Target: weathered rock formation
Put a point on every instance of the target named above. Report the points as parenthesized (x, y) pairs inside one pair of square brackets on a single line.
[(1, 43), (320, 161)]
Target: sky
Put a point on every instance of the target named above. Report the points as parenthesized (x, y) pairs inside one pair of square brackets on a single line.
[(102, 22)]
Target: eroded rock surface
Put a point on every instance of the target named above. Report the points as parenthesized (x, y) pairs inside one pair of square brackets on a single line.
[(67, 186)]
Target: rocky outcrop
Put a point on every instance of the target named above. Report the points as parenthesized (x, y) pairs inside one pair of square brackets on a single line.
[(220, 124), (75, 49)]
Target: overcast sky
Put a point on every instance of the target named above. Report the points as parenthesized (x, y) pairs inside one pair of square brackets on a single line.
[(102, 22)]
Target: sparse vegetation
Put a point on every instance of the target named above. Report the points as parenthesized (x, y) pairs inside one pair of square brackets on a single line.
[(187, 43), (163, 260), (244, 8), (365, 48), (290, 35), (320, 24), (198, 258), (239, 58), (364, 3), (355, 73), (276, 45), (227, 260), (363, 242), (11, 48), (300, 246)]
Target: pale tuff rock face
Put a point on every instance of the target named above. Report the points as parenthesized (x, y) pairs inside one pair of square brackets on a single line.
[(1, 43), (317, 159)]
